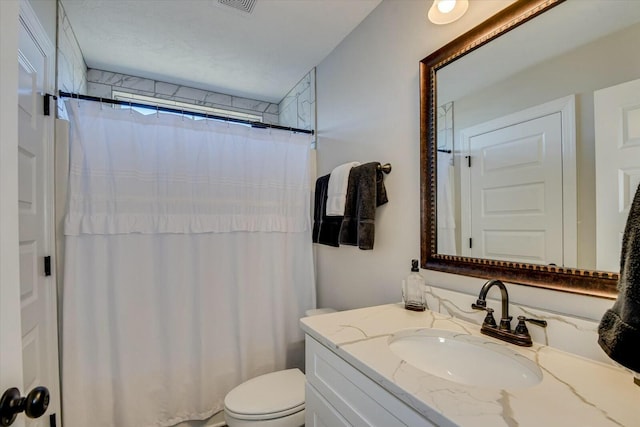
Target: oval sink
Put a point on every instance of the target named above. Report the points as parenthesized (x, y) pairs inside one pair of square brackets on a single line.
[(465, 359)]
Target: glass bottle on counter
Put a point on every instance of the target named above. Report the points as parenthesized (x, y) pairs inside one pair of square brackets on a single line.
[(413, 289)]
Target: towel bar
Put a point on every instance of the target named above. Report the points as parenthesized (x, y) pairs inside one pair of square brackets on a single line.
[(386, 168)]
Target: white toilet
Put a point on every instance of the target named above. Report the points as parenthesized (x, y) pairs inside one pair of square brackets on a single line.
[(270, 400)]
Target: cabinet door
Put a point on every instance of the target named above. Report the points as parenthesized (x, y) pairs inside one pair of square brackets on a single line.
[(352, 396), (319, 413)]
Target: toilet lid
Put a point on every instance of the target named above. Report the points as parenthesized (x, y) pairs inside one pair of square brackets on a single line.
[(318, 311), (280, 393)]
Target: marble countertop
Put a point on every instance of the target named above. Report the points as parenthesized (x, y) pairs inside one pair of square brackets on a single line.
[(574, 391)]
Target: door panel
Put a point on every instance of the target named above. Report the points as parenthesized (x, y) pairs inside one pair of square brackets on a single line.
[(617, 132), (10, 339), (516, 199)]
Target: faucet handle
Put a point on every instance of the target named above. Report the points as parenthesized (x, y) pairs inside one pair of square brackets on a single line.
[(489, 320), (480, 304), (537, 322), (521, 328)]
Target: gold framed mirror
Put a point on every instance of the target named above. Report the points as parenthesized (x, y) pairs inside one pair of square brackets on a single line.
[(563, 276)]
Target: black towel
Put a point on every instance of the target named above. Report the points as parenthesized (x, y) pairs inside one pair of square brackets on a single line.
[(365, 192), (619, 328), (326, 229)]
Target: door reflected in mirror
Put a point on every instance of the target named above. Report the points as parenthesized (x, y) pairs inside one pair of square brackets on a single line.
[(520, 174)]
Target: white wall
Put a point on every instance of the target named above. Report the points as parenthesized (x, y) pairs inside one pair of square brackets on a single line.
[(368, 110)]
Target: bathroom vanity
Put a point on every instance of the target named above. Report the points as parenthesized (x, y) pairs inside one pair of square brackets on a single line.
[(356, 376)]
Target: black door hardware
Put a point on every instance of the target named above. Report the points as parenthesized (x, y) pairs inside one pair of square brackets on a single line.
[(34, 405)]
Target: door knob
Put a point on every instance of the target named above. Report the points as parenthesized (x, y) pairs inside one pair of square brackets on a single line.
[(34, 405)]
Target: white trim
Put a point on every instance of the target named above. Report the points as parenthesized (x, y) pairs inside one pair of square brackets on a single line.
[(10, 336), (567, 108)]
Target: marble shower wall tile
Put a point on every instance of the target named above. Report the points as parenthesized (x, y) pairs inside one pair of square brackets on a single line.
[(249, 104), (271, 118), (298, 107), (102, 83), (72, 70), (99, 89), (571, 334), (121, 80), (445, 127)]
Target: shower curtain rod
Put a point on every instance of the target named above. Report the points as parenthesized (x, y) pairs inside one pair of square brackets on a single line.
[(180, 111)]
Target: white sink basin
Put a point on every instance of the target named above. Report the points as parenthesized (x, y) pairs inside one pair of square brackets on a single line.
[(465, 359)]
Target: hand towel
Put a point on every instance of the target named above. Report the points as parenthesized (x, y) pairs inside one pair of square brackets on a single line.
[(365, 193), (337, 192), (326, 230), (619, 330)]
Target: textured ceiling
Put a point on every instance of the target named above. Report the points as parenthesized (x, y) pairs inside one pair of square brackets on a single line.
[(202, 44)]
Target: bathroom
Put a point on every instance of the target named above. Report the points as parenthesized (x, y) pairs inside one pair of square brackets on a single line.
[(368, 109)]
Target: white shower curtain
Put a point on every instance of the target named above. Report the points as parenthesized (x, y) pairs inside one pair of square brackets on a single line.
[(188, 263), (445, 208)]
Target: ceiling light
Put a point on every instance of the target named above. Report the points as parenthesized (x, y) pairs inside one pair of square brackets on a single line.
[(447, 11)]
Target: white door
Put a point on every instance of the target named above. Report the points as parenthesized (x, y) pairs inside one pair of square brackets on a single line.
[(37, 290), (10, 349), (617, 133), (516, 198)]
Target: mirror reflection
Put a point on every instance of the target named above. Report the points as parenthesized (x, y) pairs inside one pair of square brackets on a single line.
[(538, 136)]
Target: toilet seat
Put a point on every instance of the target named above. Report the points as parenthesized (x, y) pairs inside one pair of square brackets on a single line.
[(274, 395), (269, 416)]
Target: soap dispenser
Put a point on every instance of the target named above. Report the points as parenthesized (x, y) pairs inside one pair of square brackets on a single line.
[(413, 288)]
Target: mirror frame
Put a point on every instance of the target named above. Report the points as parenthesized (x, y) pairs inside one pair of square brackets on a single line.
[(586, 282)]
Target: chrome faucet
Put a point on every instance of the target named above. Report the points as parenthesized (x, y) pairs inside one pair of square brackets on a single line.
[(520, 335)]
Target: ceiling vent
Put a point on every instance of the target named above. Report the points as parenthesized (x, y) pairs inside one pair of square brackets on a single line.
[(245, 6)]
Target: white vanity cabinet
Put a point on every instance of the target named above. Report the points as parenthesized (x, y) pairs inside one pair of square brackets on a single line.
[(355, 379), (337, 394)]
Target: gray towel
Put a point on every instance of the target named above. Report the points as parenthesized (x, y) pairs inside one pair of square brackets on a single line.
[(619, 328), (326, 229), (365, 192)]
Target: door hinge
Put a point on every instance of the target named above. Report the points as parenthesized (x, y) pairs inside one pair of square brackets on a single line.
[(468, 161), (52, 420), (470, 243), (47, 266), (46, 107)]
